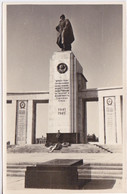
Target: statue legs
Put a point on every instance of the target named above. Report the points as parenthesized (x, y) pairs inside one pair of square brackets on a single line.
[(66, 47)]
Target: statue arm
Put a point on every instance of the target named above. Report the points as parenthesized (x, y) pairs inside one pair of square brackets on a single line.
[(67, 23), (57, 28)]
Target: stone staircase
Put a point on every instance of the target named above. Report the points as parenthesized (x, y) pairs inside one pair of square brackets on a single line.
[(110, 148), (74, 148), (88, 171), (17, 170), (100, 171)]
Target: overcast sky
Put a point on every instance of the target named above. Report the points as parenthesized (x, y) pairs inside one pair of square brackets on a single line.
[(31, 42)]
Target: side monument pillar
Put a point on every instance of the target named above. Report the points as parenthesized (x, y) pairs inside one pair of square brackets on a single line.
[(63, 98)]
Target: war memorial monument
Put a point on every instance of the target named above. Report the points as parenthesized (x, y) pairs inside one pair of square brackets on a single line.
[(67, 118), (67, 97)]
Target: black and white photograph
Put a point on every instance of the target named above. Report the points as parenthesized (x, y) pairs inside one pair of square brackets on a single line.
[(64, 97)]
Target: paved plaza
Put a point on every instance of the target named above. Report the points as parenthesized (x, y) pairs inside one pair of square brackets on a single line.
[(17, 183), (43, 157)]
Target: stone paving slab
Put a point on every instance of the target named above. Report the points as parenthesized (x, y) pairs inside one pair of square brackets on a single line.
[(74, 148), (43, 157), (17, 184)]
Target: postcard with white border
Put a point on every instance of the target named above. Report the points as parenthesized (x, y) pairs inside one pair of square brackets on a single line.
[(64, 104)]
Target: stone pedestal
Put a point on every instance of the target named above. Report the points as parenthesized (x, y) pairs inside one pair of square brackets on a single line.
[(64, 137), (65, 81), (57, 174)]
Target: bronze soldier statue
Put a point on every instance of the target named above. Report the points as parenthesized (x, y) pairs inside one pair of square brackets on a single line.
[(65, 34)]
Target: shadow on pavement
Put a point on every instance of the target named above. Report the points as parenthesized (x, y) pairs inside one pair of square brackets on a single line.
[(16, 183), (99, 184)]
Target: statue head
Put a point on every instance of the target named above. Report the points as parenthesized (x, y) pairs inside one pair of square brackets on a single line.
[(62, 17)]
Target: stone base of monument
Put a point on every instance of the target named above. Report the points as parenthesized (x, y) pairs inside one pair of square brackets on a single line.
[(55, 174), (64, 137)]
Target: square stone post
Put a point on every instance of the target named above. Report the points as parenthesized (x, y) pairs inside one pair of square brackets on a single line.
[(82, 120), (11, 130), (30, 122), (101, 121), (118, 120)]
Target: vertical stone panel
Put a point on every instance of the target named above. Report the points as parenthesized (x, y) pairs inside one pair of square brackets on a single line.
[(110, 120), (21, 122)]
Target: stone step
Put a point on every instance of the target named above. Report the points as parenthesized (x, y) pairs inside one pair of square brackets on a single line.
[(13, 166), (107, 166), (107, 177), (79, 168), (16, 174), (81, 176), (16, 170), (74, 148), (91, 164), (86, 171), (104, 172), (87, 166), (81, 171), (112, 148), (101, 168)]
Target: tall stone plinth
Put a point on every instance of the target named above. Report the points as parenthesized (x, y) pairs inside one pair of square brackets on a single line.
[(63, 97)]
